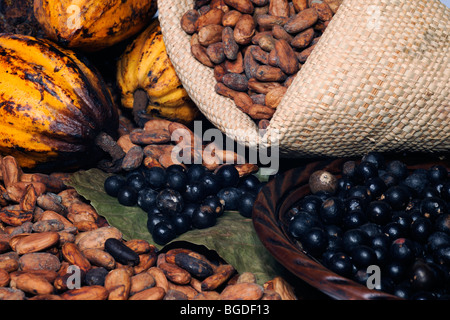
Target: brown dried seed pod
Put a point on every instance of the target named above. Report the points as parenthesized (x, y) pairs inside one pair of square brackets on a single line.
[(31, 283), (140, 246), (155, 293), (4, 278), (334, 5), (250, 65), (36, 242), (262, 87), (52, 202), (199, 53), (39, 261), (301, 21), (52, 215), (149, 136), (223, 90), (323, 10), (189, 291), (300, 5), (210, 34), (94, 292), (244, 30), (48, 225), (100, 258), (96, 238), (175, 274), (242, 291), (246, 168), (220, 276), (270, 74), (279, 8), (259, 112), (188, 21), (216, 53), (274, 97), (236, 81), (230, 18), (268, 21), (155, 151), (213, 16), (11, 171), (219, 72), (197, 267), (235, 66), (271, 295), (160, 278), (258, 98), (304, 54), (29, 199), (141, 281), (243, 101), (230, 46), (303, 39), (125, 143), (175, 295), (243, 6), (259, 54), (170, 254), (246, 277), (287, 60), (146, 261), (74, 256), (118, 284)]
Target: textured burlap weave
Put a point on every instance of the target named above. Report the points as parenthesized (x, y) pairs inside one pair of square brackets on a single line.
[(378, 80)]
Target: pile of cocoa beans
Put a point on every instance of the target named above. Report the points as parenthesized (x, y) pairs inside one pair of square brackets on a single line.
[(256, 47), (54, 246), (156, 143)]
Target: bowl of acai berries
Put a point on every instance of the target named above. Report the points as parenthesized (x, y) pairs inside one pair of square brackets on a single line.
[(367, 228)]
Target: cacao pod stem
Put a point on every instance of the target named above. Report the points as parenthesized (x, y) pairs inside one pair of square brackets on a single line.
[(140, 104), (105, 142)]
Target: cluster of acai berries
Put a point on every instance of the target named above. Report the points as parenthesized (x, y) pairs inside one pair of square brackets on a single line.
[(377, 212), (179, 199)]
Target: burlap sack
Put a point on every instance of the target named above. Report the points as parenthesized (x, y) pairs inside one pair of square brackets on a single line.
[(378, 80)]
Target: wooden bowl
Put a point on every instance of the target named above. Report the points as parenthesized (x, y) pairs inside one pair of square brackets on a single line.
[(271, 225)]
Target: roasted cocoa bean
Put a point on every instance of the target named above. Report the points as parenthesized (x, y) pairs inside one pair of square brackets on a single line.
[(303, 39), (194, 266), (199, 53), (216, 53), (287, 60), (244, 30), (235, 66), (270, 74), (230, 18), (301, 21), (243, 6), (175, 273), (279, 8), (188, 21), (236, 81), (121, 252)]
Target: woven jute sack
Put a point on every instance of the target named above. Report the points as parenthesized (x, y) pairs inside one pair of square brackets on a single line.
[(378, 80)]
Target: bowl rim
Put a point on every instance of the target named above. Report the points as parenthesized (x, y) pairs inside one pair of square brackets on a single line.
[(271, 203)]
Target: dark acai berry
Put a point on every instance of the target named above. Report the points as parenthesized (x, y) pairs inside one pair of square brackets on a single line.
[(231, 197), (301, 223), (437, 174), (163, 233), (314, 241), (379, 212), (354, 237), (397, 197), (210, 183), (181, 223), (127, 196), (195, 172), (147, 199), (113, 184), (216, 203), (250, 183), (402, 250), (433, 207), (397, 168), (420, 229), (332, 211), (156, 177), (177, 180), (195, 192), (228, 176), (203, 217), (311, 204), (341, 264), (169, 201), (153, 219), (245, 204), (363, 256), (366, 170), (137, 182)]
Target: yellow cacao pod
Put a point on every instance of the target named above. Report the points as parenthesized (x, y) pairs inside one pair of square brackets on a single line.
[(92, 25), (52, 105), (146, 67)]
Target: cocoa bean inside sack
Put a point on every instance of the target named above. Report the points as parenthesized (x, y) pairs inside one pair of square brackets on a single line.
[(256, 46)]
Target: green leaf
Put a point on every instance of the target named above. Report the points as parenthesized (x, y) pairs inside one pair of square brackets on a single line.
[(233, 237)]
